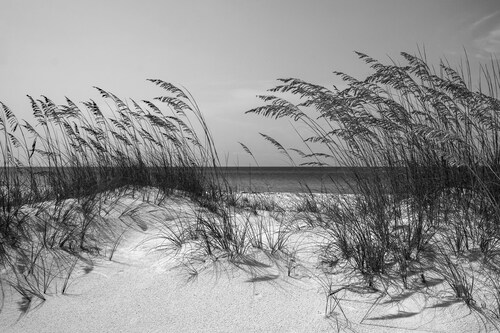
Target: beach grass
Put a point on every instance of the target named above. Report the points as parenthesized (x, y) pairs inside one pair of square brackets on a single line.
[(424, 202), (59, 175), (423, 146)]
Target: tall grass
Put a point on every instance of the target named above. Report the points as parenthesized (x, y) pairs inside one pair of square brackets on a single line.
[(430, 140), (422, 144), (58, 173)]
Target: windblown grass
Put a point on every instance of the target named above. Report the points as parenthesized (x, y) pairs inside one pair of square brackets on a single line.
[(423, 147), (59, 174), (429, 140)]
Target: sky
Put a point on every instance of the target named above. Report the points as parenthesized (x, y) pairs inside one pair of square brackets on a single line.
[(225, 52)]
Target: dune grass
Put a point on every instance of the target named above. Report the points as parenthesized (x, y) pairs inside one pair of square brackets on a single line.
[(424, 149), (422, 145), (59, 174)]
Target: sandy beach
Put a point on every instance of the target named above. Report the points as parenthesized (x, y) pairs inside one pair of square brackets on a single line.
[(250, 166), (146, 288)]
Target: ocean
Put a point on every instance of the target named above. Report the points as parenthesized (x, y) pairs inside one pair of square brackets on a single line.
[(337, 180), (291, 179)]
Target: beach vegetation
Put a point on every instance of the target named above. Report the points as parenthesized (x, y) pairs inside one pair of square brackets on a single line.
[(60, 174), (423, 147), (423, 202)]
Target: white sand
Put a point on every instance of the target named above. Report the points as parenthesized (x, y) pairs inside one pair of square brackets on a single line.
[(142, 290)]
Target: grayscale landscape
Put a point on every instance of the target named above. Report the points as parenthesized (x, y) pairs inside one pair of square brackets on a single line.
[(264, 166)]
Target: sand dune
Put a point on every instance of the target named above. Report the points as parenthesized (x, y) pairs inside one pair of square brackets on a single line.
[(145, 290)]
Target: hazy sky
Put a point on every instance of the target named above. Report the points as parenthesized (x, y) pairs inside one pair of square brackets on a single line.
[(224, 52)]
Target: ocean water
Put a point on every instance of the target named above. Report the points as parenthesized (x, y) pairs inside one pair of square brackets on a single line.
[(272, 179), (291, 179)]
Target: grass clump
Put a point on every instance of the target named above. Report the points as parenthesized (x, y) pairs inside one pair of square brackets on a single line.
[(423, 148), (60, 175), (63, 177)]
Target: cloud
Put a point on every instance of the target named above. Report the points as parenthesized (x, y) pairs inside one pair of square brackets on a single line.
[(484, 19), (486, 35), (490, 42)]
